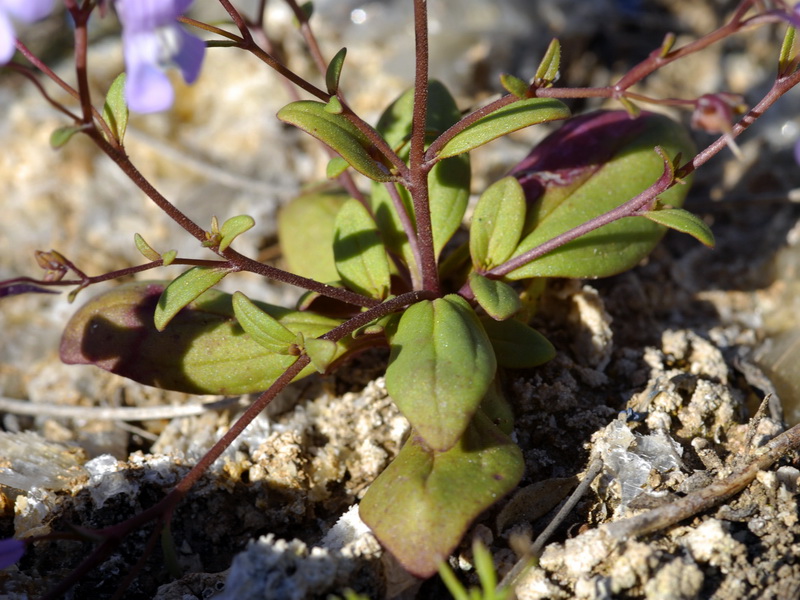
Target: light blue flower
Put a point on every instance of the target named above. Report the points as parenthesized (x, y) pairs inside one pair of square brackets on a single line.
[(153, 40), (26, 11), (11, 551)]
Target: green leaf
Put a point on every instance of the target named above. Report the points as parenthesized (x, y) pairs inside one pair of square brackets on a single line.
[(395, 122), (185, 288), (497, 223), (448, 184), (334, 71), (440, 367), (547, 72), (308, 9), (62, 135), (306, 231), (338, 133), (334, 106), (233, 228), (261, 326), (423, 503), (448, 196), (788, 51), (514, 85), (683, 221), (608, 158), (358, 251), (205, 350), (321, 352), (336, 167), (144, 248), (512, 117), (517, 345), (115, 109), (168, 257), (498, 299)]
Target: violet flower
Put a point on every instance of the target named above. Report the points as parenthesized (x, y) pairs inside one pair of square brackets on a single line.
[(11, 551), (153, 40), (26, 11)]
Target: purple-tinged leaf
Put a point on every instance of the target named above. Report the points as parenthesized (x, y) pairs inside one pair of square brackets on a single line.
[(590, 166), (421, 505), (204, 350)]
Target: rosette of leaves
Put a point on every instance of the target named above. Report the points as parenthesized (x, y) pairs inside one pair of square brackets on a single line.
[(447, 349)]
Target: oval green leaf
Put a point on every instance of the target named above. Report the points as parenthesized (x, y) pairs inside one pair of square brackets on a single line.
[(497, 223), (144, 248), (306, 230), (512, 117), (448, 196), (261, 326), (336, 167), (334, 71), (498, 299), (358, 251), (115, 108), (517, 345), (321, 352), (338, 133), (440, 367), (683, 221), (233, 228), (185, 288), (62, 135), (423, 503), (514, 85), (547, 72)]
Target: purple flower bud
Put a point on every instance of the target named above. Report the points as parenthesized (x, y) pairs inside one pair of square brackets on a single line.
[(714, 113), (11, 551), (153, 40), (26, 11)]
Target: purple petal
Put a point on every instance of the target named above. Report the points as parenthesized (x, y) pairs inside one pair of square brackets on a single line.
[(7, 39), (147, 15), (189, 57), (11, 551), (27, 11), (148, 89)]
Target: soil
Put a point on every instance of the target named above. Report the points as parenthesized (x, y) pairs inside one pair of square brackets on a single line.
[(676, 375)]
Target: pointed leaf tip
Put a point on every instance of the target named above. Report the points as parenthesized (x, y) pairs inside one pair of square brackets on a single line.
[(334, 71), (233, 228), (683, 221), (183, 290), (339, 133), (509, 118)]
